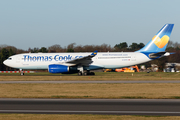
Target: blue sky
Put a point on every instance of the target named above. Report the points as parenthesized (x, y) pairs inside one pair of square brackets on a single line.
[(42, 23)]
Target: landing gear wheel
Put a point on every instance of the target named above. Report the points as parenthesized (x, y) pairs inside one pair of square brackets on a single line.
[(79, 73), (22, 73), (92, 73), (85, 73)]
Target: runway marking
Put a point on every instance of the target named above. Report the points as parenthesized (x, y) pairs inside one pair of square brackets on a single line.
[(106, 112)]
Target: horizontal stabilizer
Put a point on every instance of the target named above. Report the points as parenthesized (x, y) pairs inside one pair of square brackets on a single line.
[(159, 54)]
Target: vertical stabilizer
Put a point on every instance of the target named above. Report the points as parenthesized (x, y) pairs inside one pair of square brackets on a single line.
[(159, 41)]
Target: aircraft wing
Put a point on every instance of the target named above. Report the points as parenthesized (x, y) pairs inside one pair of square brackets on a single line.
[(83, 60)]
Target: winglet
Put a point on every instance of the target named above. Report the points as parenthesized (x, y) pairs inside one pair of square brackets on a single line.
[(94, 53)]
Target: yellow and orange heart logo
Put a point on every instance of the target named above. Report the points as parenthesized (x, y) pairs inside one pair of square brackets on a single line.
[(160, 42)]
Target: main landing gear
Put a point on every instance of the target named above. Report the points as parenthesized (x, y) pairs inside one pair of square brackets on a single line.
[(85, 73), (82, 72)]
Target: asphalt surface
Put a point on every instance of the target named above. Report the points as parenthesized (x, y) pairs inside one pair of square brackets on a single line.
[(1, 82), (167, 107)]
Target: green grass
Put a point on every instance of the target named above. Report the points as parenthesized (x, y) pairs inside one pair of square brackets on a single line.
[(99, 76)]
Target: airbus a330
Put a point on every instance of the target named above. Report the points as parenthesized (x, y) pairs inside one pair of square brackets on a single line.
[(83, 63)]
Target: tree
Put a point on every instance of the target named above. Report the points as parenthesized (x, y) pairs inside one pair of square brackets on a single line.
[(70, 47), (1, 62), (140, 45), (3, 56), (70, 50), (55, 48), (34, 50), (11, 52), (170, 44), (134, 46), (122, 45), (43, 50)]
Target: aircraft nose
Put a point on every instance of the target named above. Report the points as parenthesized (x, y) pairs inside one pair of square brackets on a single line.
[(5, 62)]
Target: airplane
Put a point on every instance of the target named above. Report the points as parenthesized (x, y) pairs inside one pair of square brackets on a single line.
[(82, 63)]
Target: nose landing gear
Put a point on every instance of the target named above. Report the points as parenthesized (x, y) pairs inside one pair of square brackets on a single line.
[(21, 72)]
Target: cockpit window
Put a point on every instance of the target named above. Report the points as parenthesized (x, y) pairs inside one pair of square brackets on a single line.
[(9, 58)]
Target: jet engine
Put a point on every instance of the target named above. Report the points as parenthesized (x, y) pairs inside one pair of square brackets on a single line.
[(56, 68)]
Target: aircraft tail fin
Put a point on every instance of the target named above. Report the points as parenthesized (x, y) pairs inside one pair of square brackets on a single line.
[(159, 41)]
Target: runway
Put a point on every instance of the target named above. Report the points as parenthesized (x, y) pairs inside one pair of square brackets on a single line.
[(92, 106), (54, 82)]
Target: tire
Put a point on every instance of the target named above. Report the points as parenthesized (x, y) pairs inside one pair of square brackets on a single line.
[(85, 74), (22, 74), (79, 73), (92, 73)]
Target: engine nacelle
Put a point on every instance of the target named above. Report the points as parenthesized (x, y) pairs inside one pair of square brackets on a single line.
[(55, 68)]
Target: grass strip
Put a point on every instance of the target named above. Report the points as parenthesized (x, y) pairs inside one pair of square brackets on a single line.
[(107, 91), (99, 76), (82, 117)]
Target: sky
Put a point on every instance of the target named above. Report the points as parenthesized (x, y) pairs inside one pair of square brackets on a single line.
[(42, 23)]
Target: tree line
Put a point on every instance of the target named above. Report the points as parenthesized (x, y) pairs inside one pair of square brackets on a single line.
[(6, 51)]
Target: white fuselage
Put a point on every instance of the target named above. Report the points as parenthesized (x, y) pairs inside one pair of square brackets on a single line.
[(101, 60)]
